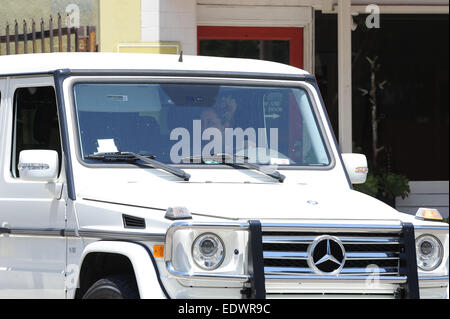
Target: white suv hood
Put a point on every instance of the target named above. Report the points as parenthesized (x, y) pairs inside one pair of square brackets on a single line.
[(247, 201)]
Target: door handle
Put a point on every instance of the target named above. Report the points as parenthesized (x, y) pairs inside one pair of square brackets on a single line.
[(4, 229)]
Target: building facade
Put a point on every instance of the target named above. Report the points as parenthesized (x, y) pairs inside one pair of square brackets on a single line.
[(403, 44)]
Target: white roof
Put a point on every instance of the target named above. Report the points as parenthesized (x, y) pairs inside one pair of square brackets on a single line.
[(40, 63)]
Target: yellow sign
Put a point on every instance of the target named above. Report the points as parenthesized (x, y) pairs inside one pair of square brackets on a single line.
[(149, 47)]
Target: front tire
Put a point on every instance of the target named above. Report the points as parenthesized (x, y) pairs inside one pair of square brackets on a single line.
[(113, 287)]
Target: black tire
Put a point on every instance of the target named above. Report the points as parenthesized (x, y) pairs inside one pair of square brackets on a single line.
[(113, 287)]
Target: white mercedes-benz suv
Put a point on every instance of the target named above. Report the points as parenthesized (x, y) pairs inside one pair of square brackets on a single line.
[(158, 176)]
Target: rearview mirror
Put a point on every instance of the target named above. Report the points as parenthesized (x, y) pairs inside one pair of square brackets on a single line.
[(356, 166), (38, 165)]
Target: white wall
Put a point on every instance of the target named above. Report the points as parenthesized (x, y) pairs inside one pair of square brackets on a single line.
[(170, 20), (425, 194)]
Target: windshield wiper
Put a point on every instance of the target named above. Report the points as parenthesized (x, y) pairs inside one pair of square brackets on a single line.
[(148, 159), (235, 160)]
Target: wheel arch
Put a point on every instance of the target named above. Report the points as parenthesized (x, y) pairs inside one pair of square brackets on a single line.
[(103, 258)]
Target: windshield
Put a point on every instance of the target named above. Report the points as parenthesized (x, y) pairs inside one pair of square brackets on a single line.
[(181, 123)]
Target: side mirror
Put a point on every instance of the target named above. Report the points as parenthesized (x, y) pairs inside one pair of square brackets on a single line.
[(38, 165), (356, 166)]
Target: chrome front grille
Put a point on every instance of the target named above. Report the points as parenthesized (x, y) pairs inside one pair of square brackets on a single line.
[(286, 253)]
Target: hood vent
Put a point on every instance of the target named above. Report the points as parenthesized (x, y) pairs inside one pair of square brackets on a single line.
[(133, 222)]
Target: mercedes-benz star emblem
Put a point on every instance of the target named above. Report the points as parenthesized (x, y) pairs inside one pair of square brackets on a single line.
[(326, 255)]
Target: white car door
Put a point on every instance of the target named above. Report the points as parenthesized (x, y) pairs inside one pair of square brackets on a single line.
[(32, 219)]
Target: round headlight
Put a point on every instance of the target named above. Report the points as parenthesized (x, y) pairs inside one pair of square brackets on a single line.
[(208, 251), (429, 252)]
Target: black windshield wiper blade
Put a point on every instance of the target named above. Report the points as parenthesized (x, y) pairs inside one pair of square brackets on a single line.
[(117, 156), (236, 160), (149, 159)]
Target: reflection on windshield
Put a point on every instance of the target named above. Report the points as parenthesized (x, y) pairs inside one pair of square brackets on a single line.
[(268, 125)]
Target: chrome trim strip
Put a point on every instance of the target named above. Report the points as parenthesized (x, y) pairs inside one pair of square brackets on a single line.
[(98, 234), (44, 232), (425, 279), (440, 229), (111, 235), (349, 255), (290, 271), (285, 255), (339, 279), (372, 256), (288, 239), (205, 276), (72, 233), (383, 271), (344, 240), (331, 228), (287, 270)]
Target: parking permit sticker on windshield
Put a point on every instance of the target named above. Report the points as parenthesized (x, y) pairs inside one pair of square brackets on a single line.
[(119, 98), (106, 146)]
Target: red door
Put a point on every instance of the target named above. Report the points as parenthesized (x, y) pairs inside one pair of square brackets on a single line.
[(277, 44)]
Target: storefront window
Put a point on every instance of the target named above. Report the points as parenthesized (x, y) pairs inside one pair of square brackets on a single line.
[(277, 51), (412, 74), (277, 44)]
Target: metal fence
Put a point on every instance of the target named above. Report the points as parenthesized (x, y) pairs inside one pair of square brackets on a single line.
[(54, 38)]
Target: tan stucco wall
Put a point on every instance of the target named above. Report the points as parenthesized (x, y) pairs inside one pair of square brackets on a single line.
[(120, 21)]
